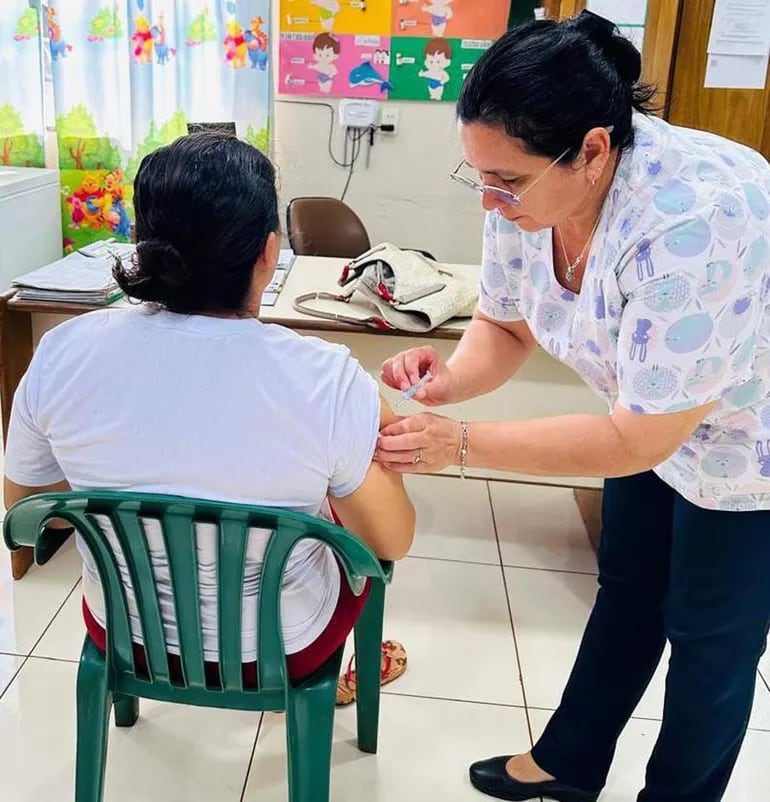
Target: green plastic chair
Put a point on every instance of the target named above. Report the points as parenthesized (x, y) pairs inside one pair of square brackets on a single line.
[(111, 680)]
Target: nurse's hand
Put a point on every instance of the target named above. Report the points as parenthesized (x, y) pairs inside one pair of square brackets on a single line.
[(407, 368), (423, 443)]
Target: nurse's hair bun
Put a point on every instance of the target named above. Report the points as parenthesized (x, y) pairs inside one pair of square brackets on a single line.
[(617, 49)]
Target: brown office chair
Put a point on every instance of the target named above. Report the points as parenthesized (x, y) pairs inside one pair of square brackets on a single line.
[(325, 227)]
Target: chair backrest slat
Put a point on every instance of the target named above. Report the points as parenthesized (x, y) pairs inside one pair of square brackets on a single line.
[(133, 541), (231, 558), (120, 649), (272, 664), (181, 544)]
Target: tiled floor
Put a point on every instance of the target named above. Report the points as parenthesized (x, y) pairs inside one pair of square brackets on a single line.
[(490, 606)]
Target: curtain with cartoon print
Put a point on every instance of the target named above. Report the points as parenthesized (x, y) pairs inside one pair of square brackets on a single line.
[(22, 126), (130, 75)]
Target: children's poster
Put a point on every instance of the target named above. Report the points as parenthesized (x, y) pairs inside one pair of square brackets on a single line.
[(386, 49), (451, 19), (324, 64), (360, 17), (432, 69)]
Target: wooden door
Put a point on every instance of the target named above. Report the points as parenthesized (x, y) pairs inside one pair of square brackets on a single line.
[(675, 58)]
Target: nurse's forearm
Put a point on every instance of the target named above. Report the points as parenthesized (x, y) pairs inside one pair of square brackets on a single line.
[(485, 358), (570, 445)]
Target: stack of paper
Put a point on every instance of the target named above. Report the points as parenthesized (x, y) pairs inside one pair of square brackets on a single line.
[(76, 278), (285, 261)]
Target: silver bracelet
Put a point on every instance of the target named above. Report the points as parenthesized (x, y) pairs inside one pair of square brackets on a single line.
[(463, 447)]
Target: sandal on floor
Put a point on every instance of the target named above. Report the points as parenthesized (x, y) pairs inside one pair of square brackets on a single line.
[(392, 667)]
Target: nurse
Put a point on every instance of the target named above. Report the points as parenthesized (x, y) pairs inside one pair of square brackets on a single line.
[(637, 253)]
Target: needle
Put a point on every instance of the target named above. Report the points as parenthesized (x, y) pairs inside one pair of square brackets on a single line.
[(410, 393)]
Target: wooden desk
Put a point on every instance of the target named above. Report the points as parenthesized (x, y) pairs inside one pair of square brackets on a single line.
[(542, 388)]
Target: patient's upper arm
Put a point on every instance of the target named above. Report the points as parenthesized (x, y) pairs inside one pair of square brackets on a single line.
[(379, 510)]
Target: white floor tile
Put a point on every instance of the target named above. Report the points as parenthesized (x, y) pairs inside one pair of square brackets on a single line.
[(541, 527), (9, 665), (549, 613), (425, 748), (174, 753), (63, 640), (453, 620), (27, 605), (454, 519), (749, 783)]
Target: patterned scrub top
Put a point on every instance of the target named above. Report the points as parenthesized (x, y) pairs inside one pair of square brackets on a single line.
[(674, 310)]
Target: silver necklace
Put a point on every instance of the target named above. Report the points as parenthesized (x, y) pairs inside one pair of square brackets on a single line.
[(573, 266)]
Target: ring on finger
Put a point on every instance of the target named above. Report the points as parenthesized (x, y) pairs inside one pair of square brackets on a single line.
[(418, 456)]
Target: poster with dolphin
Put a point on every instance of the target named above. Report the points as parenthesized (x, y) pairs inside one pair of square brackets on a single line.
[(326, 65)]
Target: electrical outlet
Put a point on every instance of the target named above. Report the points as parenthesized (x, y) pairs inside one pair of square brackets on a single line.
[(389, 116)]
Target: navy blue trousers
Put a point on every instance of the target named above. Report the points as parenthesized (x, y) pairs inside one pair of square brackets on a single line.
[(668, 570)]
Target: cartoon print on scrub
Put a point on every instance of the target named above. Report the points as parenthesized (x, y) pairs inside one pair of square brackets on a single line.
[(644, 263), (440, 13), (438, 57), (326, 50), (667, 294), (725, 463), (639, 339), (763, 455)]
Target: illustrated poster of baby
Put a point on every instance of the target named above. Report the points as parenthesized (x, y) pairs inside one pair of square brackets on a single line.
[(326, 50), (438, 58), (327, 12), (440, 13)]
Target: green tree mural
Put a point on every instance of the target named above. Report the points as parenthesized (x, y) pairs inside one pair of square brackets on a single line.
[(106, 24), (260, 139), (17, 147), (201, 29), (156, 137), (80, 146), (28, 25)]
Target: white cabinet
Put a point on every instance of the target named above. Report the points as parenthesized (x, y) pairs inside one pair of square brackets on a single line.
[(30, 221)]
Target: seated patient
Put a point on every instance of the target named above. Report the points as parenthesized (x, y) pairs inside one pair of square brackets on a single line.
[(190, 394)]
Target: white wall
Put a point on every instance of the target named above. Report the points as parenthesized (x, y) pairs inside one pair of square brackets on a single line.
[(405, 196)]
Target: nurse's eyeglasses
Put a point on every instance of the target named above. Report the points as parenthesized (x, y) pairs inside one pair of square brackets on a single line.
[(498, 193)]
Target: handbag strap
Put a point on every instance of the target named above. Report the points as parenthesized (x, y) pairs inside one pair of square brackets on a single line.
[(300, 306)]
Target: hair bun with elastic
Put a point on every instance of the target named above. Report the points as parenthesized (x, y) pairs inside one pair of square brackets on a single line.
[(160, 263), (618, 50)]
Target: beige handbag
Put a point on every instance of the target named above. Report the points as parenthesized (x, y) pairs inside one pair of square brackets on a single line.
[(392, 288)]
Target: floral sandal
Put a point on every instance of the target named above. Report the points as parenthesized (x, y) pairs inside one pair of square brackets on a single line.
[(392, 667)]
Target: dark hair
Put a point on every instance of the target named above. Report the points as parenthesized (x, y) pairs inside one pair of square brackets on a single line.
[(548, 83), (441, 46), (326, 41), (205, 207)]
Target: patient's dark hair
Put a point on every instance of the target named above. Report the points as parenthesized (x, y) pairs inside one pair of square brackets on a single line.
[(205, 207), (548, 83)]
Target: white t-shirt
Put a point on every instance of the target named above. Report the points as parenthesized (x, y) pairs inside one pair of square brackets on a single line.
[(223, 409), (674, 310)]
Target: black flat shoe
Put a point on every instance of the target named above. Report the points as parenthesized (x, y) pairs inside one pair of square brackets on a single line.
[(491, 778)]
